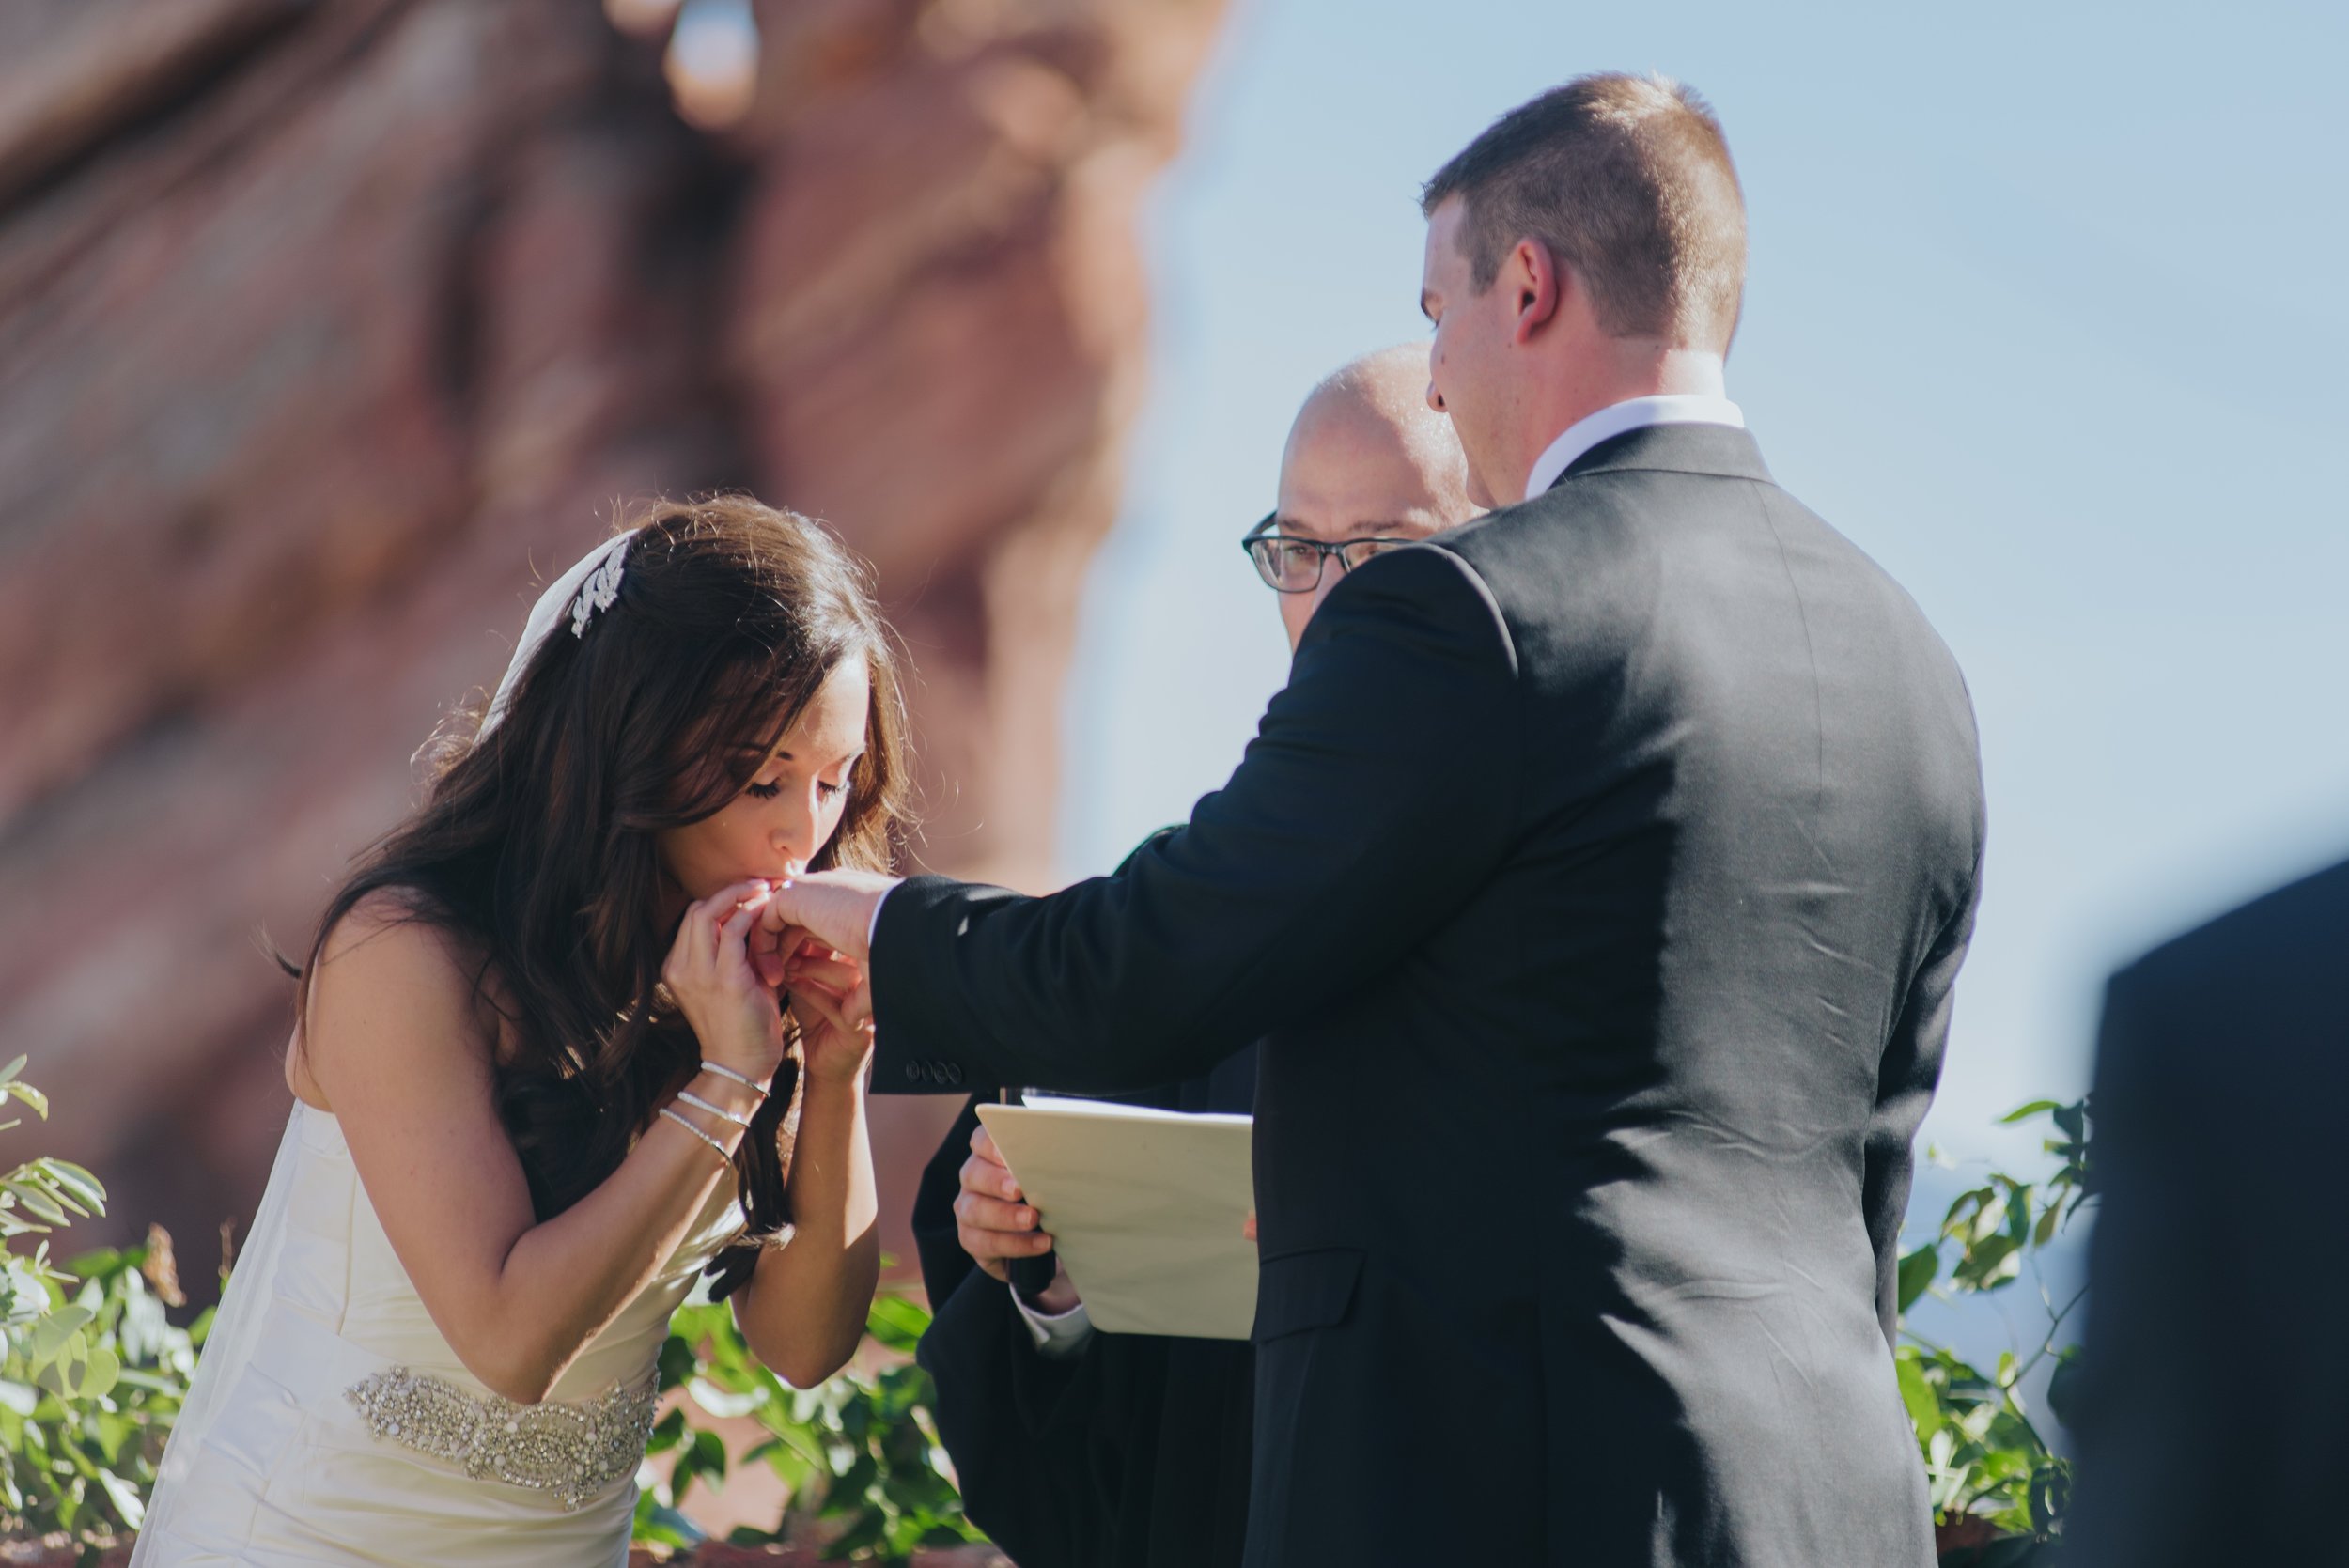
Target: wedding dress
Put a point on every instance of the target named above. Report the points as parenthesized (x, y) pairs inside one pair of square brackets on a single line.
[(330, 1422)]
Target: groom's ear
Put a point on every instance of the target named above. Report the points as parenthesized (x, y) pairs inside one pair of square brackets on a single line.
[(1536, 282)]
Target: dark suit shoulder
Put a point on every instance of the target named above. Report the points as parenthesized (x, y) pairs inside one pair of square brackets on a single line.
[(1603, 536), (1592, 561), (1411, 594), (2287, 937), (1578, 560)]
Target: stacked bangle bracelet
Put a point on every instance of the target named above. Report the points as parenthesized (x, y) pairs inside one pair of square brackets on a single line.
[(718, 1111), (721, 1070), (686, 1122)]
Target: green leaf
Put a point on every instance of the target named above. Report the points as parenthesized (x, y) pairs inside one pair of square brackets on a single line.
[(100, 1373), (7, 1074), (37, 1202), (660, 1525), (51, 1334), (725, 1403), (2019, 1212), (1988, 1263), (703, 1456), (897, 1322), (130, 1507), (676, 1361), (666, 1432), (2025, 1112), (2063, 1386), (1924, 1407), (77, 1182), (30, 1095), (1918, 1271)]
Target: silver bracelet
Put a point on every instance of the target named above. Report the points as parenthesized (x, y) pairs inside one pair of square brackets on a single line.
[(718, 1111), (723, 1071), (686, 1122)]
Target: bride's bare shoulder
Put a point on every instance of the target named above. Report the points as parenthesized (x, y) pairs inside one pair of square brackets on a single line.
[(391, 975)]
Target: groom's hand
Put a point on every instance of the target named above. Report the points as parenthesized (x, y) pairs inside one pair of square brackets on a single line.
[(836, 908)]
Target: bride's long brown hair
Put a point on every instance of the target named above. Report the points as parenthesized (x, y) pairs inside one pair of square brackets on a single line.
[(535, 847)]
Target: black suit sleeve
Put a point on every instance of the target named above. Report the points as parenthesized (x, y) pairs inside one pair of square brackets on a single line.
[(936, 1244), (1379, 793), (1906, 1076), (1022, 1429), (2169, 1464), (1028, 1435)]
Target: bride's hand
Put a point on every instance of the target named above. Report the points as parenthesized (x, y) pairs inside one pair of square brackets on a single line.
[(732, 1011), (834, 1008)]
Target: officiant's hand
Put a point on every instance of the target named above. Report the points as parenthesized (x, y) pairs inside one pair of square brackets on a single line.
[(995, 1223)]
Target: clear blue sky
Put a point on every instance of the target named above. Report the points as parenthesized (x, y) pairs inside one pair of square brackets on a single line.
[(2046, 309)]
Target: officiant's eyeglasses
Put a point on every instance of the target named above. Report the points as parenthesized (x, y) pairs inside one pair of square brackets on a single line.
[(1293, 566)]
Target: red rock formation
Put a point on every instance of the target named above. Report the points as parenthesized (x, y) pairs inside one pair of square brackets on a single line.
[(321, 327)]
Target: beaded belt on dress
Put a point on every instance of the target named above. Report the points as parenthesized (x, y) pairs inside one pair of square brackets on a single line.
[(574, 1449)]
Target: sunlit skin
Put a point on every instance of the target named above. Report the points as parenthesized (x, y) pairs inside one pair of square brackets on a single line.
[(791, 806), (399, 1045), (777, 823), (1518, 364), (1366, 459)]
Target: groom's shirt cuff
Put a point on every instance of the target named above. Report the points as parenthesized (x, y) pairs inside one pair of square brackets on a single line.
[(1058, 1335)]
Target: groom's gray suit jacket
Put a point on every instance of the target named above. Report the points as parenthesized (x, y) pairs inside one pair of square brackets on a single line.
[(1598, 882)]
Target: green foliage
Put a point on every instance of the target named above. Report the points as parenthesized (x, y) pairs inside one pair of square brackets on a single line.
[(859, 1453), (1984, 1453), (87, 1395), (91, 1373), (37, 1198)]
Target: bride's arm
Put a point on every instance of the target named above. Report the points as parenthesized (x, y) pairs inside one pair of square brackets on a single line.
[(399, 1046), (803, 1309)]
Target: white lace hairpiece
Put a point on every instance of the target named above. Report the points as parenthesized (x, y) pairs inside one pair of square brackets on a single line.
[(592, 584)]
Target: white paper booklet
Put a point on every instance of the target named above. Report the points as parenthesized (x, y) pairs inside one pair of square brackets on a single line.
[(1145, 1207)]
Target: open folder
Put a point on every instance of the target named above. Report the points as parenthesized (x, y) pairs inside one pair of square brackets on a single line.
[(1146, 1208)]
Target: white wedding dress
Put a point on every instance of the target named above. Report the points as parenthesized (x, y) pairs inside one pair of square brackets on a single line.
[(330, 1422)]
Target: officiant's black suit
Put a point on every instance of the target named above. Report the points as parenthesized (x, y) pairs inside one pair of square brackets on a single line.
[(1132, 1452), (2208, 1416), (1598, 882)]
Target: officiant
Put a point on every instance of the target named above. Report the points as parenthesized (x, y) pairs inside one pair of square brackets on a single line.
[(1077, 1448)]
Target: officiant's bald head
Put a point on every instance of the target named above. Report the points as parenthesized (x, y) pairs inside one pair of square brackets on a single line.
[(1367, 459)]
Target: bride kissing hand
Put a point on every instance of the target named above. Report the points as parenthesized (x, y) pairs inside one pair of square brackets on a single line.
[(732, 1010)]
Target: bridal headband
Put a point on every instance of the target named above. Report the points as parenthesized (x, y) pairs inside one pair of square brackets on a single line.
[(592, 584)]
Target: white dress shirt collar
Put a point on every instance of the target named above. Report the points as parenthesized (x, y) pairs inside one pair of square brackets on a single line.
[(1682, 407)]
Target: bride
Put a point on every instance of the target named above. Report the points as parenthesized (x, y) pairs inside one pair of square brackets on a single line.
[(540, 1085)]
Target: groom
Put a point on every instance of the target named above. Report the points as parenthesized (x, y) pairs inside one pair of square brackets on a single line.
[(1599, 884)]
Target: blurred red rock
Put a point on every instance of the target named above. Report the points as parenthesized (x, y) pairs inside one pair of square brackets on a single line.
[(324, 328)]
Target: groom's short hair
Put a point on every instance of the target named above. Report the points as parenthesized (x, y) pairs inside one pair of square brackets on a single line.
[(1627, 180)]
